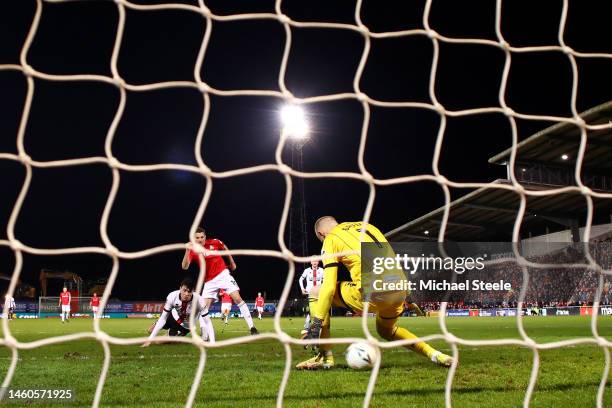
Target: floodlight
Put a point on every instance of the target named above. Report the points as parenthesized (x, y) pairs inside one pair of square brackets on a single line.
[(294, 122)]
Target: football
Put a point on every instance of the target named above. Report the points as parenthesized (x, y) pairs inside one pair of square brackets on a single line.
[(360, 355)]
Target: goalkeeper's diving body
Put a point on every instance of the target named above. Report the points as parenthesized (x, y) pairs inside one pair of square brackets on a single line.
[(346, 237)]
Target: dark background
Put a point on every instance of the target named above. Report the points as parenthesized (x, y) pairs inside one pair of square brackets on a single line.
[(70, 119)]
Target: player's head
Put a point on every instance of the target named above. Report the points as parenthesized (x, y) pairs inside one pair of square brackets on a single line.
[(200, 235), (95, 294), (314, 264), (186, 289), (65, 289), (324, 225), (258, 293)]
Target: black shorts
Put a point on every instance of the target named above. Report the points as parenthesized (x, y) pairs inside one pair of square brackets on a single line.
[(174, 328)]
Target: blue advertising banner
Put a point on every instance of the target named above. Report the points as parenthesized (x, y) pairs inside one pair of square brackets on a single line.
[(458, 312)]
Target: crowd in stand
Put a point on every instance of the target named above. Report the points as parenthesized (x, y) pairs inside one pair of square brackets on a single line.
[(547, 286)]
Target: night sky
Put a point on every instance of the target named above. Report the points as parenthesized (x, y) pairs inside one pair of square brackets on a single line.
[(70, 119)]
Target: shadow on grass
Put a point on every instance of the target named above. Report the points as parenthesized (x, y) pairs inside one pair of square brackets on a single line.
[(420, 392)]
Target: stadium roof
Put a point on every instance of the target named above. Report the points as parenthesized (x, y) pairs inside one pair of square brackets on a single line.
[(489, 213), (548, 145)]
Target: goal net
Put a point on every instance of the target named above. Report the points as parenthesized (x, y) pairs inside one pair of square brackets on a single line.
[(284, 93)]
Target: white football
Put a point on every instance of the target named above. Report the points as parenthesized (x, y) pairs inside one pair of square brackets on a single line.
[(360, 355)]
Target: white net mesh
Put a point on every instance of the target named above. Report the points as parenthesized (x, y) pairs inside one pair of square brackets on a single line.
[(363, 175)]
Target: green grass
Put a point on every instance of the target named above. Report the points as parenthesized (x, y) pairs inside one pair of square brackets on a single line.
[(249, 375)]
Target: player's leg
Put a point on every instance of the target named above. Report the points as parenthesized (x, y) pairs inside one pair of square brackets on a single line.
[(387, 328), (175, 328), (226, 313), (307, 321), (206, 301), (244, 309), (324, 358), (231, 287)]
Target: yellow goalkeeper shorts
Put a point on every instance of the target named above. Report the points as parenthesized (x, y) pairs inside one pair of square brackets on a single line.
[(389, 305)]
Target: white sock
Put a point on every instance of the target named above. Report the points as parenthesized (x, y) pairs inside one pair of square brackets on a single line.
[(307, 322), (62, 316), (208, 327), (246, 313)]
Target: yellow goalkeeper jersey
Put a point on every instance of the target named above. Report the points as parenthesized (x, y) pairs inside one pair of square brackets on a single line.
[(346, 237)]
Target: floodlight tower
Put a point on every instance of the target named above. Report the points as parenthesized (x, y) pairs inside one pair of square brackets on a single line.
[(296, 129)]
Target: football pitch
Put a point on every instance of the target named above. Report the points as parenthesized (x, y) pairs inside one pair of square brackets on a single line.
[(249, 375)]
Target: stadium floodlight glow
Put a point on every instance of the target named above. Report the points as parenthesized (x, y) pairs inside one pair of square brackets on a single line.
[(564, 157), (294, 122)]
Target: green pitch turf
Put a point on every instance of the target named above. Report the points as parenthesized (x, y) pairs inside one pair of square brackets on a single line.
[(249, 375)]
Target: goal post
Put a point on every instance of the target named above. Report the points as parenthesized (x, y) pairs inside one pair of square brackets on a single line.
[(48, 306)]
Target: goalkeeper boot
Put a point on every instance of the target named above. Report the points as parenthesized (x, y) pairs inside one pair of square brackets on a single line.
[(442, 359), (319, 361), (254, 331)]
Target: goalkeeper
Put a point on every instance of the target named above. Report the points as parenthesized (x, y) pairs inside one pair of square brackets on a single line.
[(346, 237)]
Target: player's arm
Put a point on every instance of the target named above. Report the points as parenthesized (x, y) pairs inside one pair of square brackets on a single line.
[(158, 326), (328, 288), (186, 258), (301, 280), (229, 259), (161, 322), (327, 291)]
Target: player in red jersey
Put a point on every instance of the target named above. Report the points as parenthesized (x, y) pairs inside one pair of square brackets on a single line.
[(217, 277), (259, 304), (64, 302), (94, 303), (226, 305)]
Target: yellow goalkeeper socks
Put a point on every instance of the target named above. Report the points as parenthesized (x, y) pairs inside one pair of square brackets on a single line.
[(420, 347)]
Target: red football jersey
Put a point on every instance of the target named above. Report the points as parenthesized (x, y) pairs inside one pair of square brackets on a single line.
[(225, 297), (214, 263), (65, 297), (259, 301), (95, 301)]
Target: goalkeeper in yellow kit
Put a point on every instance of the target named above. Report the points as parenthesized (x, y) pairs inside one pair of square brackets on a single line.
[(347, 237)]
